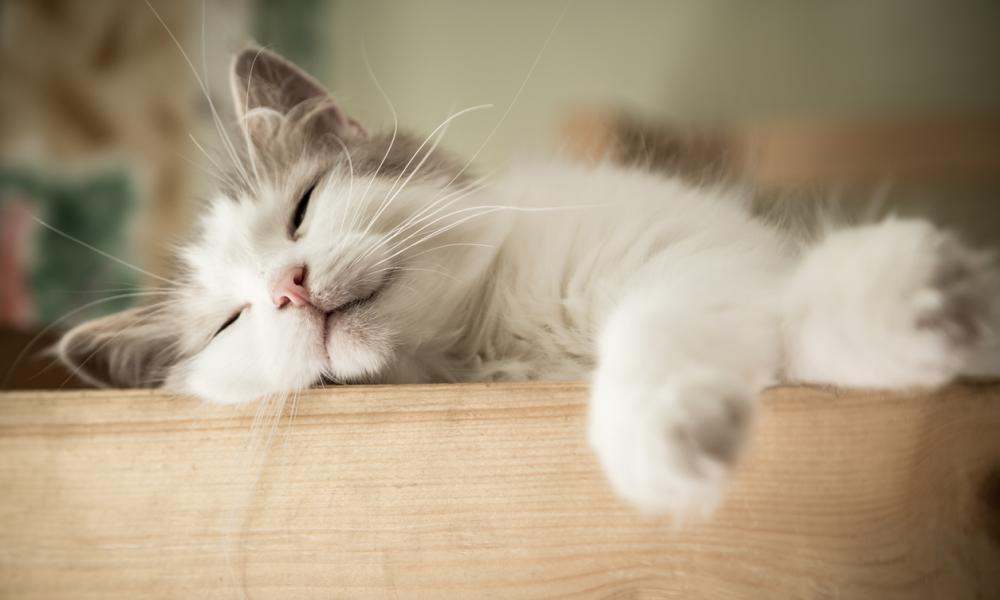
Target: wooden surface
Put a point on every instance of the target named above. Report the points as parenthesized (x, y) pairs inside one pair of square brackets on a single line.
[(486, 491)]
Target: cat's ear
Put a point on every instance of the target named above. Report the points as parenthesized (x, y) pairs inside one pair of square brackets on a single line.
[(266, 85), (134, 348)]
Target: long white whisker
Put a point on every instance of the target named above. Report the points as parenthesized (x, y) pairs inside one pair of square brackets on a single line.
[(444, 229), (218, 177), (27, 347), (402, 227), (415, 269), (207, 154), (441, 203), (244, 127), (102, 252), (483, 211), (385, 204), (350, 167), (75, 371), (447, 200), (223, 136), (517, 95), (451, 245), (392, 140), (425, 223)]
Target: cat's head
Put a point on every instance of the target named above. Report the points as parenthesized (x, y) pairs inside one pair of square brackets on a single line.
[(330, 254)]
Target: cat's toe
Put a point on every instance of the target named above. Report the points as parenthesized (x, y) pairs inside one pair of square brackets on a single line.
[(951, 315), (668, 447)]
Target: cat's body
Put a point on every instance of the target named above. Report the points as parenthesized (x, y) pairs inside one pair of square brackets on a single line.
[(603, 235), (343, 257)]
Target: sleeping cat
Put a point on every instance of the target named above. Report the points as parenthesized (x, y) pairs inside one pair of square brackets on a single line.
[(335, 255)]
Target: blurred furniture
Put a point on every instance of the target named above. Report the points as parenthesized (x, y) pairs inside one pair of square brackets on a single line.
[(35, 367), (784, 154)]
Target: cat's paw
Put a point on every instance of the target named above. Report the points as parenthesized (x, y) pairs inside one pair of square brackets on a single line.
[(667, 445), (946, 310), (897, 304)]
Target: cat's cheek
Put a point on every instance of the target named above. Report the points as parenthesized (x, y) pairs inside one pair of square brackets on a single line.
[(357, 345)]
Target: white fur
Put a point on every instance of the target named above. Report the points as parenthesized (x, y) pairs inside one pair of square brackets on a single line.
[(890, 305), (677, 302)]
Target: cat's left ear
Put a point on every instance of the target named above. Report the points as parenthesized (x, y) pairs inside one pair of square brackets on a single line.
[(264, 83)]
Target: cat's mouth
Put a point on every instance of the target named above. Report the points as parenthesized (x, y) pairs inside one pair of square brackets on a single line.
[(366, 295), (354, 339), (334, 320)]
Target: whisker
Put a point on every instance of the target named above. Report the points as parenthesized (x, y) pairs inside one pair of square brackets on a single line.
[(442, 246), (350, 166), (27, 347), (424, 221), (75, 371), (292, 411), (439, 204), (102, 252), (517, 95), (151, 289), (444, 125), (392, 140), (416, 269), (217, 175), (483, 211), (223, 136), (205, 152), (447, 199), (246, 111)]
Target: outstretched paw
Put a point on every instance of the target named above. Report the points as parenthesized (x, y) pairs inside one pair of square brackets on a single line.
[(668, 446), (892, 305), (948, 310)]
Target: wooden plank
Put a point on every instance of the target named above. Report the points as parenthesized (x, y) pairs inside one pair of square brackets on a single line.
[(487, 491)]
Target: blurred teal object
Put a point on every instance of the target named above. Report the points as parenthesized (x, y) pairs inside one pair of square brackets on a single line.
[(62, 275), (296, 29)]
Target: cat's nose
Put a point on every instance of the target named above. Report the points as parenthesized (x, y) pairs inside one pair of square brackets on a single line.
[(290, 290)]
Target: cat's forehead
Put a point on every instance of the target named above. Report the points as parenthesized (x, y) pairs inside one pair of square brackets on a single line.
[(256, 211)]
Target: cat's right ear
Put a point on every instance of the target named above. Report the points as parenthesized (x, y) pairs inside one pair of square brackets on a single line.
[(134, 348), (267, 87)]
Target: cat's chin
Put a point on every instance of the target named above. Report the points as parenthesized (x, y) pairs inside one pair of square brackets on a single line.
[(357, 346)]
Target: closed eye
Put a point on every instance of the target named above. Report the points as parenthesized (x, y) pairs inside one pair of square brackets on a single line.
[(228, 322), (300, 210)]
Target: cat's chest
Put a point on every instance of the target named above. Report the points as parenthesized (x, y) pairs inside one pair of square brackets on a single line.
[(543, 331)]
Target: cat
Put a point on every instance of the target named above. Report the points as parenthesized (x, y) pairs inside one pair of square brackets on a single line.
[(339, 255)]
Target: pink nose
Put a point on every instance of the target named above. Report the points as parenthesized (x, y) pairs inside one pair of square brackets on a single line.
[(289, 289)]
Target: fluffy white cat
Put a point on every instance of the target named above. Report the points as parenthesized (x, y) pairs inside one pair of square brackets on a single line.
[(339, 256)]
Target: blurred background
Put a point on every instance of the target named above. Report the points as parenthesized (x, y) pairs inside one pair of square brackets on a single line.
[(106, 129)]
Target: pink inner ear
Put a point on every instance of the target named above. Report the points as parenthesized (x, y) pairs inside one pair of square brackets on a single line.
[(327, 119), (357, 129), (263, 80)]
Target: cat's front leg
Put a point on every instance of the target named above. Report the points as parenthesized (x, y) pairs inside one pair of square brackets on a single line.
[(896, 304), (674, 395)]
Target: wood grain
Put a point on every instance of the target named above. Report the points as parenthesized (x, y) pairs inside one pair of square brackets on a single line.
[(487, 491)]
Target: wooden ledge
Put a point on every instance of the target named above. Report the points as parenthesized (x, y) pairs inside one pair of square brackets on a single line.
[(487, 490)]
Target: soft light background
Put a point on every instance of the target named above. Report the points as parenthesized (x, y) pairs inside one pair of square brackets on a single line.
[(704, 61)]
